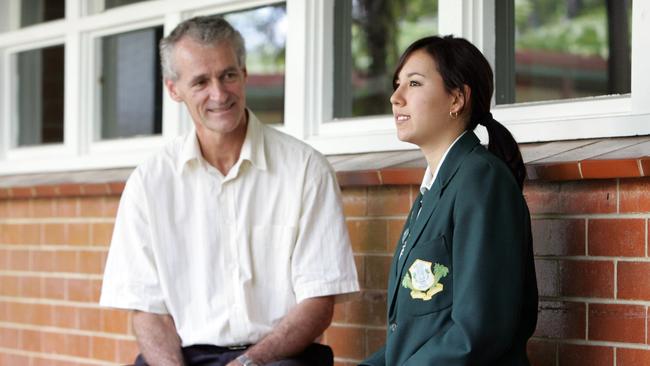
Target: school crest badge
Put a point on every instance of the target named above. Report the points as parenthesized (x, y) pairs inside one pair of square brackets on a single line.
[(423, 281)]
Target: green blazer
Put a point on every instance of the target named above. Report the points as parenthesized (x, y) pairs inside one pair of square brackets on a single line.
[(463, 291)]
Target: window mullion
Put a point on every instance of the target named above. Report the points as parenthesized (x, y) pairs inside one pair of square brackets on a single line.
[(640, 85)]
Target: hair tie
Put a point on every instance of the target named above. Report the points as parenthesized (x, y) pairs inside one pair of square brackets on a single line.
[(486, 119)]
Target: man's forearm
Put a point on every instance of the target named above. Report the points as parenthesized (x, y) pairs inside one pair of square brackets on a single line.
[(304, 323), (158, 340)]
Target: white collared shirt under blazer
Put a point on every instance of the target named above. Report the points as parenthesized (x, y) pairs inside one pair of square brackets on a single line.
[(228, 257)]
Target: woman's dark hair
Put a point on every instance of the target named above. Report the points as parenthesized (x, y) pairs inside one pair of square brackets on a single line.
[(460, 63)]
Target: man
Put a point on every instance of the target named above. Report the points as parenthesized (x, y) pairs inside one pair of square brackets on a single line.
[(230, 244)]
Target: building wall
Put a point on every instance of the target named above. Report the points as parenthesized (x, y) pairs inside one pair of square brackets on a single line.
[(591, 251)]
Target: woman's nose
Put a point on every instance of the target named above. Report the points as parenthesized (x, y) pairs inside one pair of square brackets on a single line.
[(396, 98)]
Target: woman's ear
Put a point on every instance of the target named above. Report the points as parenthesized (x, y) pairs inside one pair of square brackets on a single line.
[(460, 99)]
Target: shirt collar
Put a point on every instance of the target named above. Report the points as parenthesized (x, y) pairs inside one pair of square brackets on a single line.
[(429, 177), (252, 149)]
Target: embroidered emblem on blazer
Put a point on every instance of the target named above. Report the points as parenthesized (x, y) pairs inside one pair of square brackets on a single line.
[(422, 281)]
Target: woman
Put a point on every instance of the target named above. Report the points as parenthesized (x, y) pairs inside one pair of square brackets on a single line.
[(462, 288)]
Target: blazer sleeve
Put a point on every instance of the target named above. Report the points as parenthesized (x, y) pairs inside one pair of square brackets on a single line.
[(488, 247), (376, 359)]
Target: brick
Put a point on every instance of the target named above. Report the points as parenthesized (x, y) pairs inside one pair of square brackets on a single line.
[(90, 319), (115, 321), (578, 355), (42, 314), (66, 317), (127, 351), (94, 189), (389, 200), (53, 233), (367, 309), (541, 353), (82, 290), (91, 206), (78, 234), (563, 320), (633, 283), (394, 233), (104, 348), (101, 234), (617, 237), (21, 233), (54, 288), (111, 204), (70, 189), (360, 263), (19, 260), (31, 340), (376, 272), (559, 237), (65, 261), (11, 359), (632, 357), (9, 285), (42, 207), (587, 278), (91, 262), (30, 287), (66, 207), (617, 323), (547, 277), (77, 345), (355, 201), (22, 192), (346, 342), (9, 338), (368, 236), (340, 312), (634, 195), (116, 188), (53, 342), (577, 197), (375, 339), (18, 208)]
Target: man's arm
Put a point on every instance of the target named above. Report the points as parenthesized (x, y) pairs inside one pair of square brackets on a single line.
[(158, 340), (299, 328)]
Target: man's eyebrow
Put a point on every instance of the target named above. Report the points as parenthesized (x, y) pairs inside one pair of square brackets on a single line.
[(197, 78)]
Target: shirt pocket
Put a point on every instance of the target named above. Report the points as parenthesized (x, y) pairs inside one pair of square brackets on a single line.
[(426, 282)]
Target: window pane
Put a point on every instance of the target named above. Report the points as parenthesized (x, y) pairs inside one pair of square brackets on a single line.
[(565, 49), (40, 96), (98, 6), (265, 33), (369, 36), (130, 84), (23, 13)]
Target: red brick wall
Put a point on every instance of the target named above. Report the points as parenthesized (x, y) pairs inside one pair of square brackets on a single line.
[(590, 246)]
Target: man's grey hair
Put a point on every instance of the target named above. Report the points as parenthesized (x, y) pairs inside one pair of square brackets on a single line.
[(207, 30)]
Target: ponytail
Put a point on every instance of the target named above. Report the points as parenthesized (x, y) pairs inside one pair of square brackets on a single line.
[(503, 145)]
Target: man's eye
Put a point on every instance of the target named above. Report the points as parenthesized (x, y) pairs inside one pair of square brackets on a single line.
[(230, 76)]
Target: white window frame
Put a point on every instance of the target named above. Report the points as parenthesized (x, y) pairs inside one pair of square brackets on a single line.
[(308, 85)]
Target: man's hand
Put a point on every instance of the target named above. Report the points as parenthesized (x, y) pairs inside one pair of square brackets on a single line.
[(304, 323), (158, 340)]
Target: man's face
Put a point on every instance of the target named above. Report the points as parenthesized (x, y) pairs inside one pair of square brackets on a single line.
[(211, 83)]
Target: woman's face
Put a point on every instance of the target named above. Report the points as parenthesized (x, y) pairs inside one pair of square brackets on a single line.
[(421, 105)]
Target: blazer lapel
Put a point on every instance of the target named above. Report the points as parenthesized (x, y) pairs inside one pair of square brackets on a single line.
[(431, 198)]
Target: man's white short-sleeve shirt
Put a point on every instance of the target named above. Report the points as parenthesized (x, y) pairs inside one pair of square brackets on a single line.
[(228, 257)]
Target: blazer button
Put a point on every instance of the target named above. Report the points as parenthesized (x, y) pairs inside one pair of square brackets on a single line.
[(393, 327)]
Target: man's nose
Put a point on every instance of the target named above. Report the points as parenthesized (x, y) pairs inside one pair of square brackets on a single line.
[(218, 92)]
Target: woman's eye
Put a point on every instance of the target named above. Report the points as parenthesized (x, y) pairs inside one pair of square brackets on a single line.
[(414, 83)]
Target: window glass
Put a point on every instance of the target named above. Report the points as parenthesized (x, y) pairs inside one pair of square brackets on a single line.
[(23, 13), (98, 6), (265, 33), (369, 36), (563, 49), (40, 96), (130, 84)]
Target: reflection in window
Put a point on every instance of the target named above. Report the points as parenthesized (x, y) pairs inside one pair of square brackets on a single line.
[(369, 36), (265, 32), (548, 50), (98, 6), (38, 11), (131, 86), (40, 96)]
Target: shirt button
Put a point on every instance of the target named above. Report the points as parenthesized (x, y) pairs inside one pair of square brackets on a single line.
[(393, 327)]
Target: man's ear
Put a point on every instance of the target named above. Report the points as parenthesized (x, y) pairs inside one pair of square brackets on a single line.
[(171, 88)]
